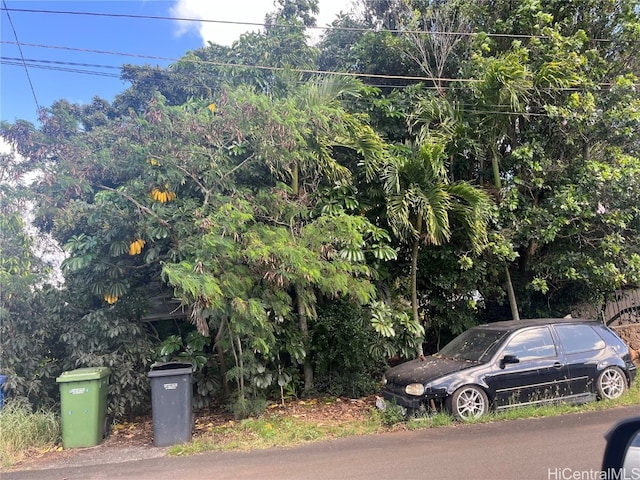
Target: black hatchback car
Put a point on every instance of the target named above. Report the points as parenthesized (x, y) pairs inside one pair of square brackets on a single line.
[(523, 362)]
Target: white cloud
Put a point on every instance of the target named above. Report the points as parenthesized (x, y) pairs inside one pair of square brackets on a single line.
[(4, 146), (248, 11)]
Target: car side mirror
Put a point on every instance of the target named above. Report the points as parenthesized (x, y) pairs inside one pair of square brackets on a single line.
[(508, 359), (622, 454)]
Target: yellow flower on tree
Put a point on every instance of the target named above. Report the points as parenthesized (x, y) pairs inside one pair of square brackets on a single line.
[(110, 299), (136, 246), (163, 196)]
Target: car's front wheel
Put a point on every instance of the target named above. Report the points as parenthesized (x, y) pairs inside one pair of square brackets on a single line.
[(468, 402), (611, 383)]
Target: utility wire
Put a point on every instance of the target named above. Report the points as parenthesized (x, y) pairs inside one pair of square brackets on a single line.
[(242, 65), (235, 65), (269, 68), (61, 69), (470, 107), (37, 63), (33, 91), (31, 61), (279, 25)]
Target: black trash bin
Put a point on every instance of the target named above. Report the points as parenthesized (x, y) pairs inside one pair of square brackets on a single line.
[(171, 402), (3, 379)]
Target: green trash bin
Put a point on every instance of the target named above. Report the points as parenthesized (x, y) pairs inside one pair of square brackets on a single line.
[(83, 405)]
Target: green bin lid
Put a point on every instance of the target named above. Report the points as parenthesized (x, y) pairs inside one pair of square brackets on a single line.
[(82, 374)]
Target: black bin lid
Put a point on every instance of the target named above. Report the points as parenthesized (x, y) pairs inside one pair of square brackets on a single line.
[(165, 369)]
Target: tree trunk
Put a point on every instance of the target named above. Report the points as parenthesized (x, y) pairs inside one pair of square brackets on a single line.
[(304, 331), (240, 365), (495, 165), (511, 295), (295, 187), (414, 278), (221, 361), (302, 314)]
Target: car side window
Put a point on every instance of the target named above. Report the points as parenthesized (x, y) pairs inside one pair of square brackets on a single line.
[(579, 338), (531, 344)]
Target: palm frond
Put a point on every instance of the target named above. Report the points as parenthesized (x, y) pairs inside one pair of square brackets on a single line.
[(434, 208), (472, 207), (327, 89), (398, 216)]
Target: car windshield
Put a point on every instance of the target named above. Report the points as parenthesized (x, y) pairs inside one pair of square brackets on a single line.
[(474, 345)]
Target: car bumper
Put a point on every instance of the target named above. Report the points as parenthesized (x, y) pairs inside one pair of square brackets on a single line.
[(632, 370), (409, 401)]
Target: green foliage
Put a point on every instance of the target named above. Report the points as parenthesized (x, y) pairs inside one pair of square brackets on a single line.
[(195, 349), (453, 293), (104, 338), (29, 349), (344, 364), (260, 197), (393, 414), (398, 335), (244, 405), (30, 354), (191, 350)]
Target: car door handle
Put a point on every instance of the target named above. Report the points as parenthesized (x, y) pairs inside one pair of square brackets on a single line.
[(557, 365)]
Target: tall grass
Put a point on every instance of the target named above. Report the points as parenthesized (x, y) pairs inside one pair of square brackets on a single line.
[(23, 432)]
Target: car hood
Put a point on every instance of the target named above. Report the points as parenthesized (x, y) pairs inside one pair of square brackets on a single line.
[(425, 370)]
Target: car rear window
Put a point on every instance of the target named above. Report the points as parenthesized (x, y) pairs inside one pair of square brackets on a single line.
[(531, 344), (579, 338)]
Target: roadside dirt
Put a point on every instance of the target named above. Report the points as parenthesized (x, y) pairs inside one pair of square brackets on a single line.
[(132, 440), (139, 432)]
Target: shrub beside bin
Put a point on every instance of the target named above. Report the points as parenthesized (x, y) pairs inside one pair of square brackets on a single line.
[(83, 405), (171, 402)]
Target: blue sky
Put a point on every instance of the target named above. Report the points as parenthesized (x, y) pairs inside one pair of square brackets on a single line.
[(162, 38)]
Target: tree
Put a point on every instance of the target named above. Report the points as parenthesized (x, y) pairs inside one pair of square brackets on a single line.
[(525, 129), (436, 40), (422, 203), (294, 144), (556, 136), (223, 201)]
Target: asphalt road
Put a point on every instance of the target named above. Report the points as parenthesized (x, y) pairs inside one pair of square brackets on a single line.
[(559, 448)]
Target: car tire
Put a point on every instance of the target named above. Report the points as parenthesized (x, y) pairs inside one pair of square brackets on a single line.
[(468, 403), (611, 383)]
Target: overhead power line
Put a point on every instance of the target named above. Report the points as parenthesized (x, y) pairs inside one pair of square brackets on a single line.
[(241, 65), (56, 68), (416, 78), (32, 61), (111, 75), (15, 34), (280, 25), (65, 67)]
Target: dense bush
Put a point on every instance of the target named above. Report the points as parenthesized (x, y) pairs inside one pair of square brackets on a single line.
[(103, 338), (30, 350), (344, 364), (194, 348)]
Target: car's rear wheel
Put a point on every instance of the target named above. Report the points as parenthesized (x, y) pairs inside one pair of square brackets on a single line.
[(468, 402), (611, 383)]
